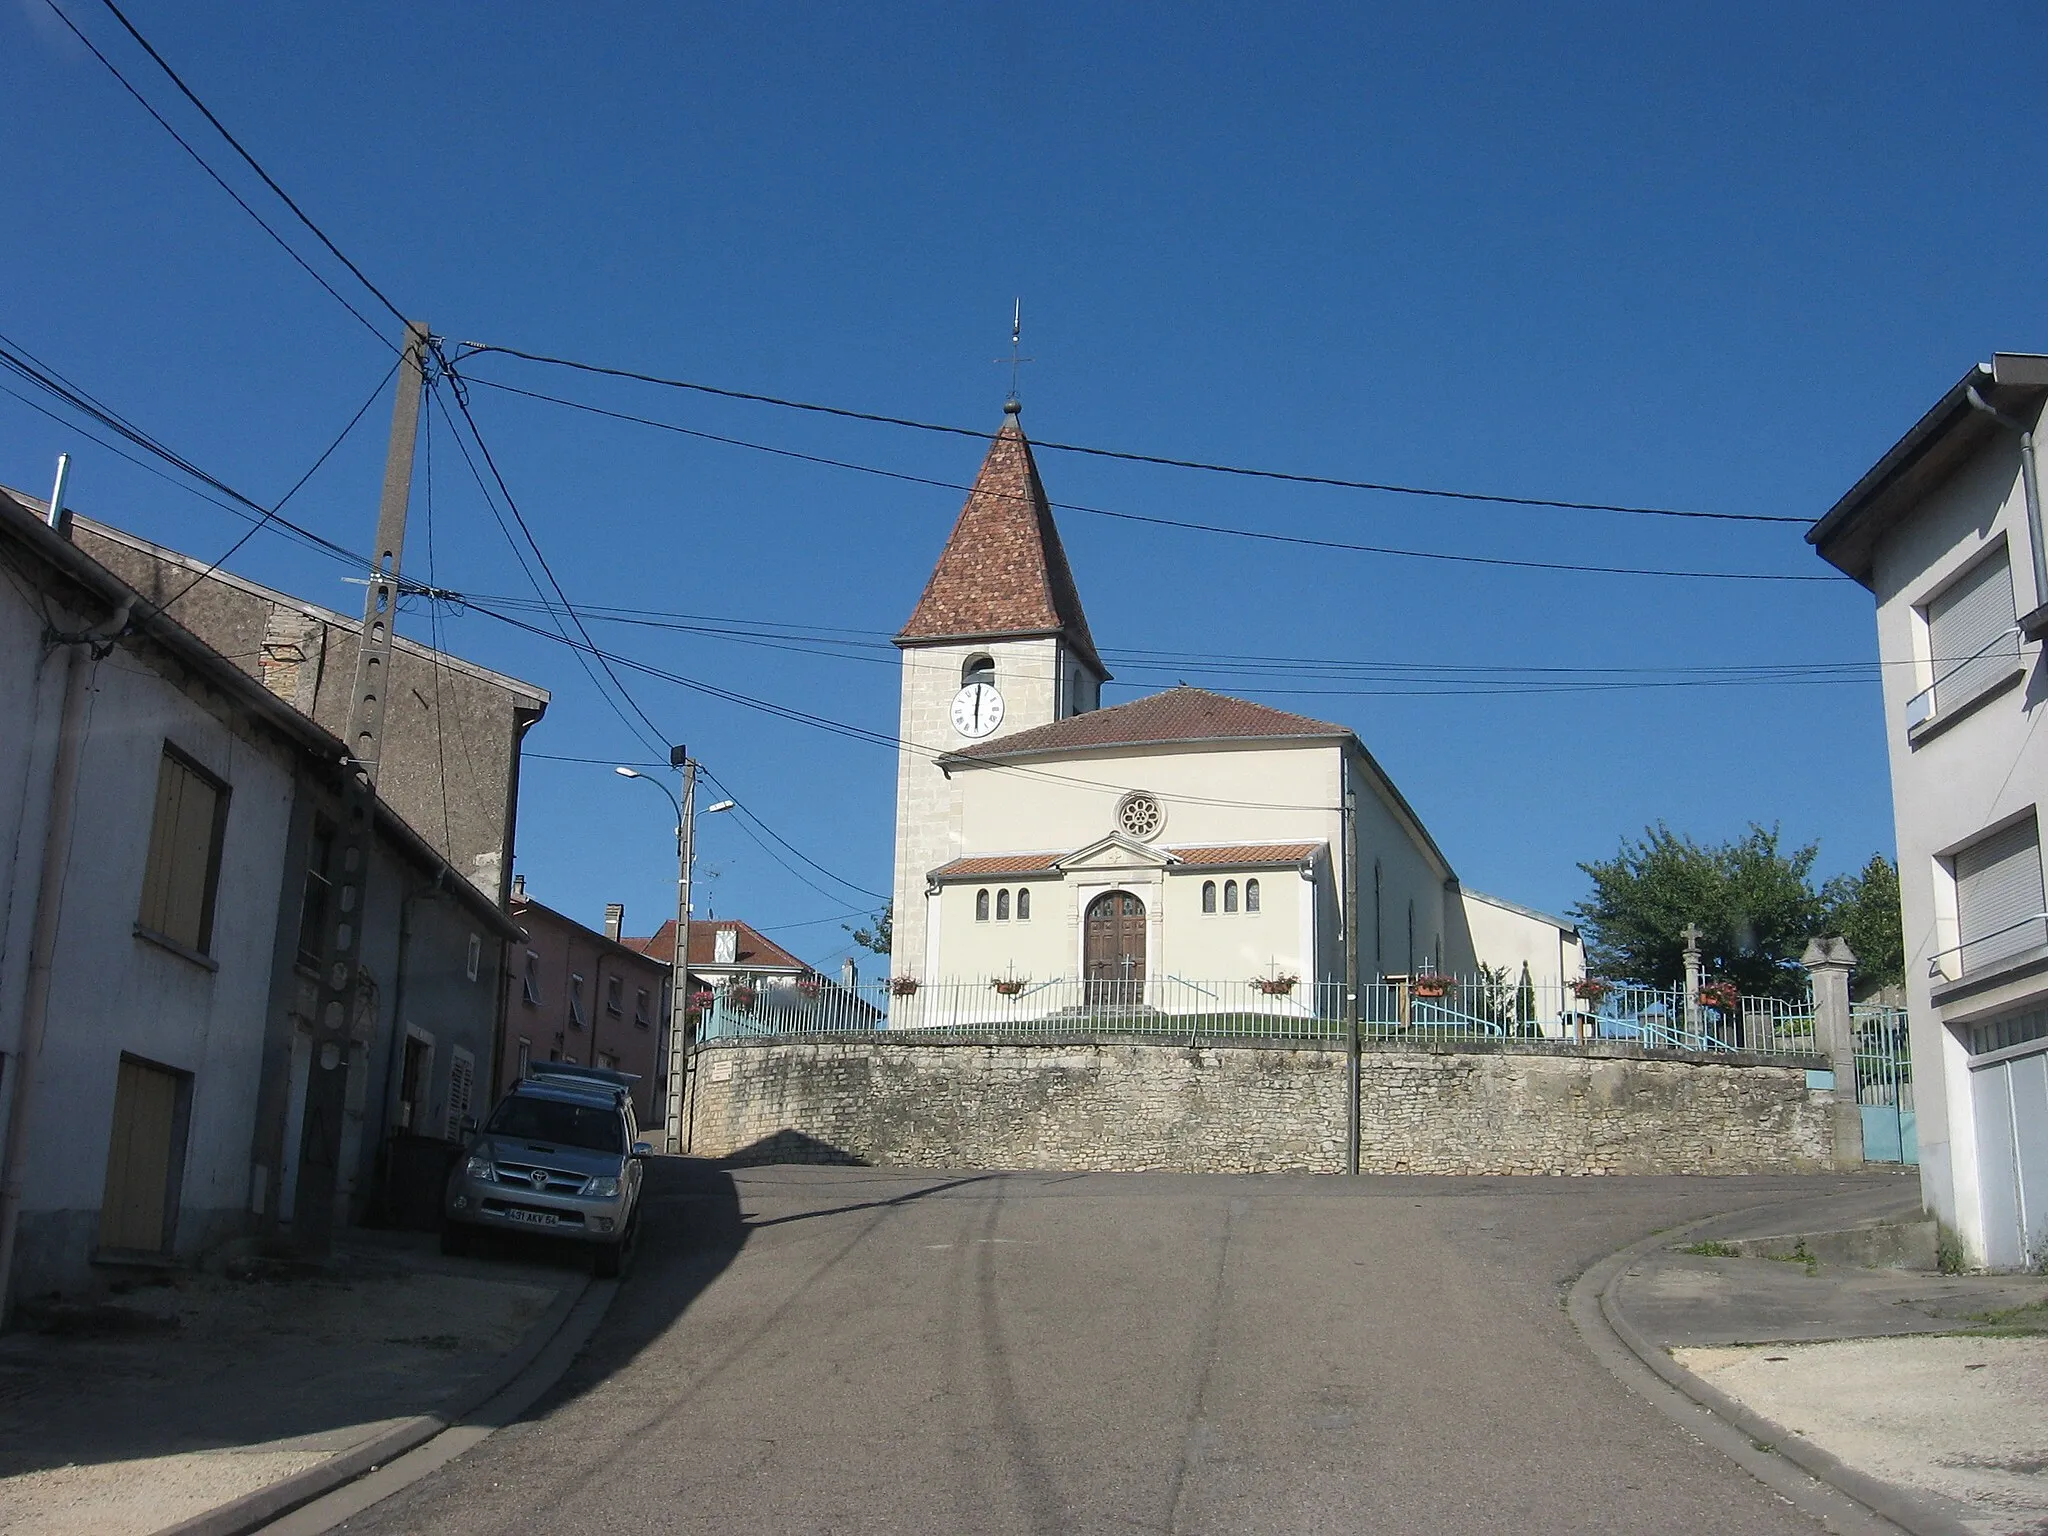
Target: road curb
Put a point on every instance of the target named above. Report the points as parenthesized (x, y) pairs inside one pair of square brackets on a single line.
[(252, 1511), (1816, 1481)]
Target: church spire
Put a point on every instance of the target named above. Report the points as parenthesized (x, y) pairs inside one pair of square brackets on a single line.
[(1003, 572)]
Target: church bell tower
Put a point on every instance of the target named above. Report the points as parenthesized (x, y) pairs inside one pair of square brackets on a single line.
[(997, 644)]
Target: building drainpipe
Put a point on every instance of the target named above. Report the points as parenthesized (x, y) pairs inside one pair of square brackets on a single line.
[(2030, 485), (85, 653)]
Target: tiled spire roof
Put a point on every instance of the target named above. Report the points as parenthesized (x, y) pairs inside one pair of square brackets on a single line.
[(1003, 571)]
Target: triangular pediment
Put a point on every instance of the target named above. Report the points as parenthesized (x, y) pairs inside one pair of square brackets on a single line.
[(1116, 852)]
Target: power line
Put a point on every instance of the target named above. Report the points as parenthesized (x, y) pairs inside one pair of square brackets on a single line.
[(526, 570), (785, 842), (250, 160), (1291, 477), (200, 160), (270, 516), (17, 360), (1572, 567)]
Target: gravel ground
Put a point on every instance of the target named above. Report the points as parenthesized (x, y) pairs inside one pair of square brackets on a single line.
[(1966, 1418)]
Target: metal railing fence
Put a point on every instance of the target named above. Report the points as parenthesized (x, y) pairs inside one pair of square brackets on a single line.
[(1279, 1008)]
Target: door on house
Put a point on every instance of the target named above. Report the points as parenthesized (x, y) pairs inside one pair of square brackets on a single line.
[(2011, 1100), (139, 1206), (1113, 950)]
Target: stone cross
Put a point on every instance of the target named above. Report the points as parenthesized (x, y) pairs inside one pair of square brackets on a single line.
[(1692, 936)]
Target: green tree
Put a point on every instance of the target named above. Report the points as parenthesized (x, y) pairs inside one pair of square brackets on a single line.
[(1753, 901), (1864, 909), (876, 939)]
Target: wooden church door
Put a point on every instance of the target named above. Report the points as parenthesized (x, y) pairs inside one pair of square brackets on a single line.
[(1113, 949)]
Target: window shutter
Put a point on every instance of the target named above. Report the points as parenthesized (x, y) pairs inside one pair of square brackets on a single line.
[(1970, 632), (461, 1088), (1998, 885)]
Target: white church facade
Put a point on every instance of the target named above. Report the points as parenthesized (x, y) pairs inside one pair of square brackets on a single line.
[(1184, 839)]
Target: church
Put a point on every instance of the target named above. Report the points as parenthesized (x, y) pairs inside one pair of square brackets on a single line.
[(1184, 839)]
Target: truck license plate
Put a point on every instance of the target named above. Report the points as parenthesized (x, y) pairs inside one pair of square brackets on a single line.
[(533, 1218)]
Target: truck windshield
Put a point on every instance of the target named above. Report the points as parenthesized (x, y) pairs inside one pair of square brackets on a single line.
[(560, 1124)]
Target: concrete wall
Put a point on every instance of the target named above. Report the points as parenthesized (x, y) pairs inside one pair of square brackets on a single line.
[(452, 729), (1523, 1108), (1032, 676), (1948, 787), (1491, 932)]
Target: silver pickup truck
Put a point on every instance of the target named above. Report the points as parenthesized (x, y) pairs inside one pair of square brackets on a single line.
[(560, 1156)]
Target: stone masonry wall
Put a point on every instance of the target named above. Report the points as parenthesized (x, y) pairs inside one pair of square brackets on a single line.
[(1522, 1107)]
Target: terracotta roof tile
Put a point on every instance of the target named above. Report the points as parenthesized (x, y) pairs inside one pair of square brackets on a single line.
[(1248, 853), (1240, 855), (754, 949), (1003, 570), (1177, 715)]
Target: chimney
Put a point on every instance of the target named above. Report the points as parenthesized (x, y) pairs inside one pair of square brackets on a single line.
[(519, 887), (614, 919), (849, 973)]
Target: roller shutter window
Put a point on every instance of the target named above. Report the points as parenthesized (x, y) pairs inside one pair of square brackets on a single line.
[(1998, 896), (1971, 634)]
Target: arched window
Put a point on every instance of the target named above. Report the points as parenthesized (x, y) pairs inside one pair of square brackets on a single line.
[(1208, 895), (1230, 895), (1002, 906), (1251, 895), (1023, 905), (977, 669), (981, 906)]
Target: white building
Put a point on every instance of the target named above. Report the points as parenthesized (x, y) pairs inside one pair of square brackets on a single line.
[(163, 822), (1181, 840), (1945, 532)]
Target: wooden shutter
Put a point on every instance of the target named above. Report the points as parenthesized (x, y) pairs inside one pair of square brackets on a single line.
[(1970, 632), (136, 1207), (461, 1090), (177, 883), (1998, 886)]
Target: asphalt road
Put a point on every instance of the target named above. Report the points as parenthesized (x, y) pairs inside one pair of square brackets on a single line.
[(827, 1350)]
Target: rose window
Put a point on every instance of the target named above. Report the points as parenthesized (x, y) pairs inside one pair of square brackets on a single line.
[(1140, 815)]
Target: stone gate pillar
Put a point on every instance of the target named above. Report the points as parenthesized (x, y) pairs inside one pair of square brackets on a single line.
[(1829, 962)]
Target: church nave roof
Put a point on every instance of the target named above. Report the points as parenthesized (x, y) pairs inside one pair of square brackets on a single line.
[(1178, 716)]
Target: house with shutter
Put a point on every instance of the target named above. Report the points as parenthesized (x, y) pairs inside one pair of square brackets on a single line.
[(166, 844), (1945, 532), (585, 997), (1178, 847)]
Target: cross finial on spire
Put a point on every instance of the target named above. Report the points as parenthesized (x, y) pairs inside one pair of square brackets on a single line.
[(1014, 404)]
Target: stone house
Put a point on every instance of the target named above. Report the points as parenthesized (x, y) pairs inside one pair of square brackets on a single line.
[(1945, 532)]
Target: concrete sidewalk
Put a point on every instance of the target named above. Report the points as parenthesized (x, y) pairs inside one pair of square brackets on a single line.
[(185, 1393), (1936, 1385)]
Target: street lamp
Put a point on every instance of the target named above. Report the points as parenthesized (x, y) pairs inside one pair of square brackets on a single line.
[(679, 965)]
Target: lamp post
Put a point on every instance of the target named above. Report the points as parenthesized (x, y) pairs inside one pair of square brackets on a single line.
[(679, 964)]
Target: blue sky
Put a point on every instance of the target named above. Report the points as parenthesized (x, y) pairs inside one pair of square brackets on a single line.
[(1712, 257)]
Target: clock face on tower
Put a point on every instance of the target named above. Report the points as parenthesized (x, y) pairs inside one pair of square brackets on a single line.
[(977, 710)]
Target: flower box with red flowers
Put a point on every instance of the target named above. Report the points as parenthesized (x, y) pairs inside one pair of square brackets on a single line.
[(1722, 996), (903, 986), (1275, 986), (739, 997), (810, 987), (1010, 986), (1427, 985), (1590, 989)]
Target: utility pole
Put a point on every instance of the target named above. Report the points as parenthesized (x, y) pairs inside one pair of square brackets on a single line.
[(341, 944), (679, 984), (1351, 968)]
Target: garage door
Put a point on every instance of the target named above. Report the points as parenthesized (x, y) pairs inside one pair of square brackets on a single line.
[(2011, 1101)]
